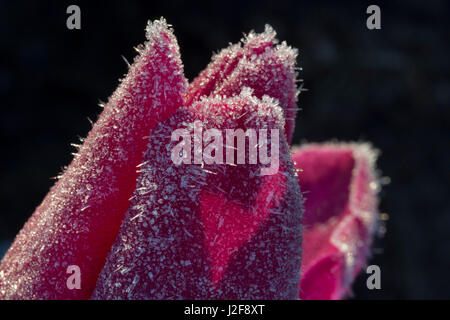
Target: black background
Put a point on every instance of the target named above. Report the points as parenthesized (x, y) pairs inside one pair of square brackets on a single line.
[(390, 87)]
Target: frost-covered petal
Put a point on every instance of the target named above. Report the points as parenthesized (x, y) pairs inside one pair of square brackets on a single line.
[(225, 62), (80, 217), (257, 63), (209, 231), (340, 187)]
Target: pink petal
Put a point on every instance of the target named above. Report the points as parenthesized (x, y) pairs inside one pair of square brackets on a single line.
[(224, 63), (210, 231), (340, 187), (78, 220), (257, 64)]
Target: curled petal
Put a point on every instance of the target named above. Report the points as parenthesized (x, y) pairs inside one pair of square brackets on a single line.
[(209, 230), (225, 62), (340, 188), (257, 63), (78, 220)]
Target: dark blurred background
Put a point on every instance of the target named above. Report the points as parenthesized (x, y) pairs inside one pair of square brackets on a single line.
[(390, 87)]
